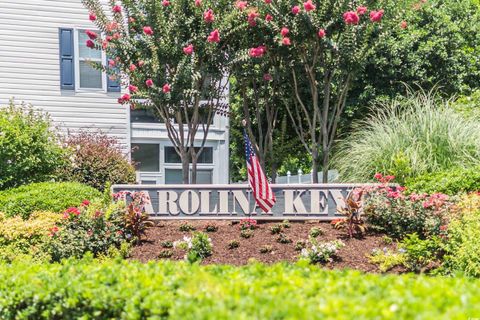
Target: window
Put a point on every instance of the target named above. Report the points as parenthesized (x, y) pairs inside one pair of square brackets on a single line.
[(144, 116), (88, 77), (174, 176), (146, 157), (171, 156)]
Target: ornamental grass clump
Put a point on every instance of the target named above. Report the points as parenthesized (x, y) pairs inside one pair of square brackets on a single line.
[(408, 137)]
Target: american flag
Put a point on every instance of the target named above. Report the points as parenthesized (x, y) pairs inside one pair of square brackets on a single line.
[(262, 191)]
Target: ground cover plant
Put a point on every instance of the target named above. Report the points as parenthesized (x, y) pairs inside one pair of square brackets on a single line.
[(185, 291), (44, 196)]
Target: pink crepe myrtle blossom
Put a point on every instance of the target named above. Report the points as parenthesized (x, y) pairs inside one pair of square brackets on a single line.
[(267, 77), (321, 33), (117, 9), (166, 88), (267, 1), (296, 10), (286, 41), (165, 3), (111, 63), (148, 30), (268, 17), (284, 32), (126, 97), (132, 88), (376, 16), (188, 50), (92, 35), (141, 63), (90, 44), (214, 36), (251, 18), (208, 16), (257, 52), (362, 10), (198, 3), (309, 6), (241, 5), (85, 203), (149, 83), (351, 17), (112, 26), (132, 67), (92, 17), (404, 24)]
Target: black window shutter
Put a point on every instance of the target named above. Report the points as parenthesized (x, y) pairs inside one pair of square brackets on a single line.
[(67, 63)]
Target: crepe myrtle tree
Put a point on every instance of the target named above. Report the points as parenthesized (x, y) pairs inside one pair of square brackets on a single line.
[(261, 81), (324, 45), (173, 56)]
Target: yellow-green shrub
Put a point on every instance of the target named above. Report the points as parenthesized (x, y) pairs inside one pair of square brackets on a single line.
[(462, 249), (20, 237)]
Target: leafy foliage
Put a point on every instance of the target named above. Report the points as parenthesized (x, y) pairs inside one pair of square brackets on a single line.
[(321, 252), (29, 237), (75, 288), (197, 247), (462, 249), (453, 181), (29, 150), (409, 137), (353, 222), (420, 253), (390, 210), (97, 159), (44, 196)]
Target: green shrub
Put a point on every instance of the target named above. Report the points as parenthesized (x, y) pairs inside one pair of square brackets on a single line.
[(20, 237), (97, 159), (451, 182), (462, 250), (409, 137), (197, 247), (397, 214), (29, 149), (83, 229), (45, 196), (420, 253), (177, 290)]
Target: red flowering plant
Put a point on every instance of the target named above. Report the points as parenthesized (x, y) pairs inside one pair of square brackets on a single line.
[(175, 55), (248, 224), (315, 49), (392, 210), (85, 229)]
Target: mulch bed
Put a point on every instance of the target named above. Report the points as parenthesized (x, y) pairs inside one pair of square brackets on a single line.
[(352, 256)]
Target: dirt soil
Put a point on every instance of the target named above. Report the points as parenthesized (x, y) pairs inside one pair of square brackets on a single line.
[(352, 256)]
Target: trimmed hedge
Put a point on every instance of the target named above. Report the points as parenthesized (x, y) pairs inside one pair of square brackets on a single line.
[(451, 182), (131, 290), (44, 196)]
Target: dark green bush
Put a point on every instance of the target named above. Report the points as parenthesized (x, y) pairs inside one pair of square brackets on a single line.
[(453, 181), (29, 149), (45, 196), (97, 160), (161, 290)]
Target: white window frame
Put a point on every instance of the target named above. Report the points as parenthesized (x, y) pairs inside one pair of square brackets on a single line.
[(77, 65)]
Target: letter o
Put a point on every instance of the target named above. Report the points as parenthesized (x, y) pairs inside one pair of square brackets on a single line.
[(189, 196)]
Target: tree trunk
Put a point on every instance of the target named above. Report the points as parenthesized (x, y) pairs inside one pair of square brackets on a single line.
[(315, 165), (274, 172), (185, 167), (325, 163), (194, 170)]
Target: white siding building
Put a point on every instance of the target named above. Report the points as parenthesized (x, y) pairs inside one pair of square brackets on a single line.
[(42, 53)]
